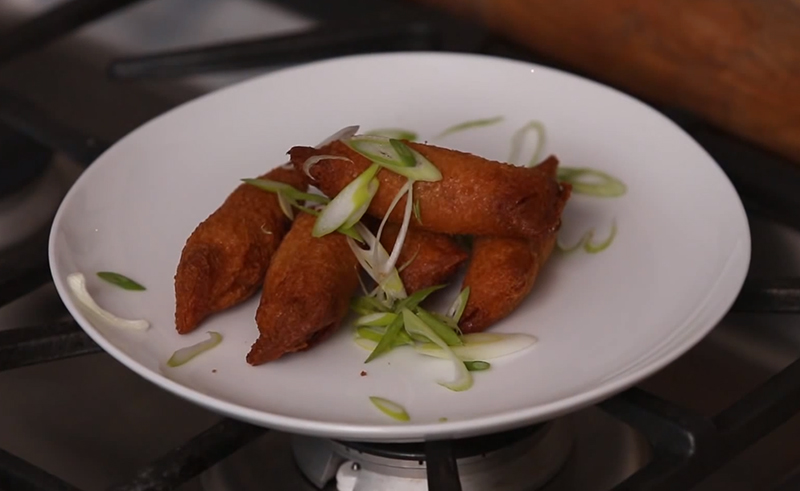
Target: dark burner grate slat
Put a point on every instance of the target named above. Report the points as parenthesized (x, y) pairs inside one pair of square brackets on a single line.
[(687, 447)]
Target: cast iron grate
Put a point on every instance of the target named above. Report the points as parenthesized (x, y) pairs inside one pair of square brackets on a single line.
[(686, 447)]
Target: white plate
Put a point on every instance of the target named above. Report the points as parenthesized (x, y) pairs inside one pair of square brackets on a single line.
[(604, 321)]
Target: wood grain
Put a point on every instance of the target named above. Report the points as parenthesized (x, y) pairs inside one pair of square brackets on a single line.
[(735, 63)]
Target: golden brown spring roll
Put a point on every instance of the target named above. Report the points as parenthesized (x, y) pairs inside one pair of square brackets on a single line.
[(226, 257), (306, 292), (474, 197), (434, 258), (502, 271)]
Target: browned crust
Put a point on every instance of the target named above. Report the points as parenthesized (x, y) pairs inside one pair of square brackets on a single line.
[(474, 197), (502, 271), (306, 292), (226, 257), (435, 258)]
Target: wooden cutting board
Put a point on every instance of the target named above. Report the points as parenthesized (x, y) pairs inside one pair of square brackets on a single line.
[(736, 63)]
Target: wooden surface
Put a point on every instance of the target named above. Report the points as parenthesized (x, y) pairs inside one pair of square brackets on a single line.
[(736, 63)]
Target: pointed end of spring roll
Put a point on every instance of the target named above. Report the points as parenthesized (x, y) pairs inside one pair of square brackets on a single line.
[(266, 349), (193, 283)]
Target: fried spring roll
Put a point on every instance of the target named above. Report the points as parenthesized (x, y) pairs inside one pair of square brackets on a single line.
[(430, 259), (306, 292), (226, 257), (502, 271), (474, 197)]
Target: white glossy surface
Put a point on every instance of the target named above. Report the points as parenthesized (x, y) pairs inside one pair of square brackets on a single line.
[(603, 321)]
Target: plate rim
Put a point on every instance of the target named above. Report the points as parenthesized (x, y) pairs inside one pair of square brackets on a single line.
[(733, 274)]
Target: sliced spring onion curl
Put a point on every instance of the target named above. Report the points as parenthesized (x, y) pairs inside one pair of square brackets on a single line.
[(518, 141), (592, 182), (586, 242), (457, 309), (414, 325), (119, 280), (315, 159), (390, 408), (476, 123), (342, 134), (372, 260), (184, 355), (347, 208), (77, 284), (382, 151), (481, 346), (397, 133), (477, 366)]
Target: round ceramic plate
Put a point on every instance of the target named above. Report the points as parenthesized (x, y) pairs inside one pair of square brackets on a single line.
[(603, 321)]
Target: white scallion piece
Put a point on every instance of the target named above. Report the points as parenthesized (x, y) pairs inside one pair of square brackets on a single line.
[(184, 355), (77, 283), (372, 260), (390, 408), (314, 160), (416, 327), (343, 134), (344, 209), (457, 309), (383, 151), (481, 346)]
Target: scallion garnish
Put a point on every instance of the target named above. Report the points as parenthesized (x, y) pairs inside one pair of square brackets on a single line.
[(380, 151), (77, 283), (390, 408), (347, 208), (397, 133), (386, 342), (518, 140), (457, 309), (417, 213), (477, 366), (476, 123), (376, 319), (120, 280), (184, 355), (441, 329), (481, 346), (287, 190), (591, 248), (415, 326), (592, 182), (418, 297), (405, 154)]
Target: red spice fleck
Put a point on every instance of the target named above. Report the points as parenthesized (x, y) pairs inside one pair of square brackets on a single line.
[(214, 370), (363, 373)]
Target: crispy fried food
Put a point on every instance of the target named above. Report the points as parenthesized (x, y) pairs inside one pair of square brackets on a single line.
[(226, 257), (474, 197), (306, 292), (502, 271), (434, 257)]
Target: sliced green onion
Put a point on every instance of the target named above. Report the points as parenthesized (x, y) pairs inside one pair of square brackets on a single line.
[(417, 213), (367, 305), (476, 123), (390, 408), (120, 280), (343, 134), (401, 235), (375, 335), (591, 248), (380, 151), (373, 260), (417, 297), (183, 355), (518, 140), (415, 325), (397, 133), (443, 420), (592, 182), (481, 346), (457, 309), (286, 206), (349, 205), (287, 190), (315, 159), (477, 366), (441, 329), (377, 319), (366, 343), (405, 154), (585, 242), (77, 283), (386, 342)]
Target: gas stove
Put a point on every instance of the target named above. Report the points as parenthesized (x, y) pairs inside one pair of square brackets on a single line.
[(723, 416)]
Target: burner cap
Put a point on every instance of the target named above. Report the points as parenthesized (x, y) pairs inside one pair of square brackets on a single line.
[(21, 160), (462, 448)]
